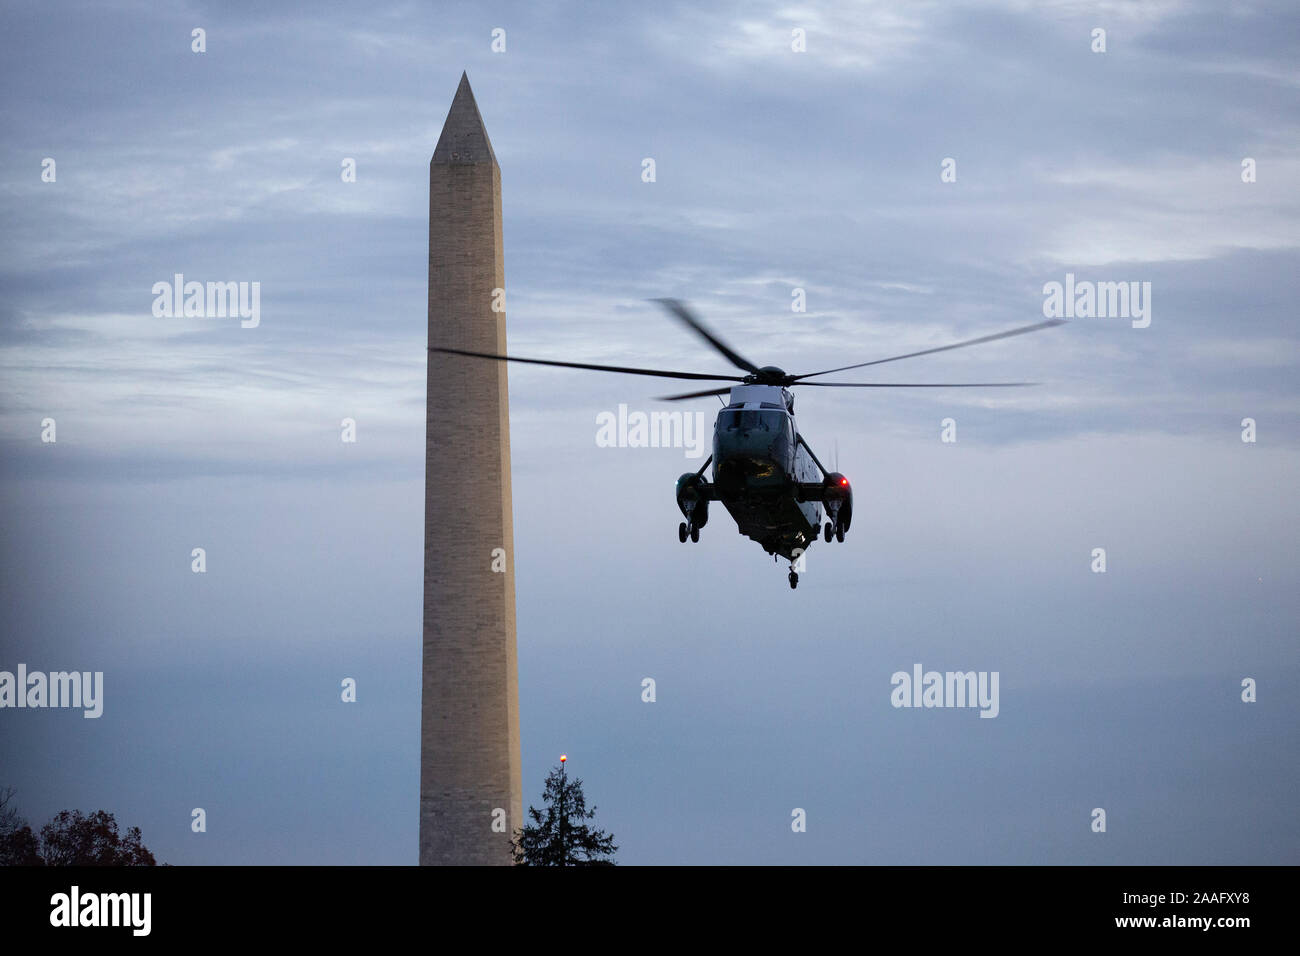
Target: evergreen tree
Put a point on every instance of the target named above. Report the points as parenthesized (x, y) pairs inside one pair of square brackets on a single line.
[(562, 837)]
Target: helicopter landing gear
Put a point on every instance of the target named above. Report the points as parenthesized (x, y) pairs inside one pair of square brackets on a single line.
[(794, 580), (835, 530), (684, 530), (839, 534), (830, 530), (695, 535), (681, 532)]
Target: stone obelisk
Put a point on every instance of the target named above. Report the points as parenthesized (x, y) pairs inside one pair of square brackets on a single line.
[(470, 792)]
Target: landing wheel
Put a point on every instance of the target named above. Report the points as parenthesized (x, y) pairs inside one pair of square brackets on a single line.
[(681, 532), (794, 580), (829, 531), (695, 534), (839, 535)]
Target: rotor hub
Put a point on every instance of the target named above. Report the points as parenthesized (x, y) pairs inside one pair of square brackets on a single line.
[(768, 375)]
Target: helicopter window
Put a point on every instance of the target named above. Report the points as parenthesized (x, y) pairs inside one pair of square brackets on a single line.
[(746, 421)]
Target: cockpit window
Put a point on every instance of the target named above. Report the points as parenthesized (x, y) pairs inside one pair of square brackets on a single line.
[(747, 421)]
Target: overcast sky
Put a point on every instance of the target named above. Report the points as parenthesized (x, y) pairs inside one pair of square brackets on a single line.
[(776, 170)]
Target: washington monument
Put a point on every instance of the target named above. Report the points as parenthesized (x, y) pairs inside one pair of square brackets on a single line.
[(470, 792)]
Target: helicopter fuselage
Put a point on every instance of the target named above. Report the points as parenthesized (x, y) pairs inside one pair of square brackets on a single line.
[(757, 465), (763, 474)]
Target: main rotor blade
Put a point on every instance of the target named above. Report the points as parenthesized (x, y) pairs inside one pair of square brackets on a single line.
[(943, 348), (678, 398), (918, 384), (678, 309), (701, 376)]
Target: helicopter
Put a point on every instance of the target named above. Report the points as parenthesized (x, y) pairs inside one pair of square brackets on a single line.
[(764, 473)]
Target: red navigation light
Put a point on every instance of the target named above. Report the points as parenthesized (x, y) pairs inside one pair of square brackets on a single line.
[(844, 481), (563, 757)]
